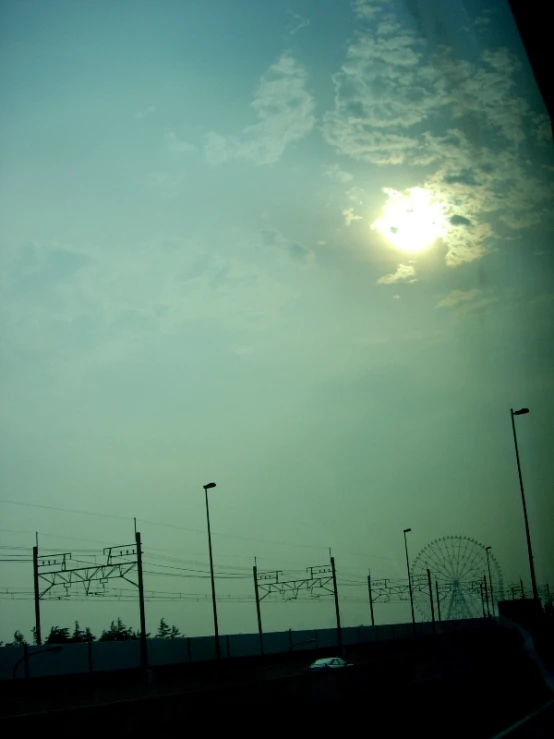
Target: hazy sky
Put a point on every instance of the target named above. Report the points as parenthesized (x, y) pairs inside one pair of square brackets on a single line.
[(302, 248)]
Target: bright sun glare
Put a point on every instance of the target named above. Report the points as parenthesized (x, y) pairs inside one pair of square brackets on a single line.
[(411, 221)]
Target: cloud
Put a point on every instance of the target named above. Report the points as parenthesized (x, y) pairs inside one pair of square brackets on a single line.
[(297, 23), (456, 297), (150, 110), (285, 111), (486, 93), (293, 249), (349, 216), (166, 184), (383, 89), (338, 174), (462, 124), (176, 145), (75, 310), (403, 273), (242, 350), (368, 9)]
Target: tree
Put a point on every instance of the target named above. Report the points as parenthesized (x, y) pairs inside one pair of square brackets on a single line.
[(117, 632), (89, 636), (78, 633), (164, 630), (58, 635), (18, 639), (34, 633), (167, 632)]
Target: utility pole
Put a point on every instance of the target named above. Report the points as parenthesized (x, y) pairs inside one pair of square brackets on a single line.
[(431, 599), (513, 413), (438, 600), (488, 550), (370, 599), (37, 595), (337, 610), (258, 610), (482, 599), (143, 648), (486, 589), (407, 531), (207, 487)]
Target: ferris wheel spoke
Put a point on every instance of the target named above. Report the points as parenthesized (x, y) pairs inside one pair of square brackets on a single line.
[(464, 547), (437, 566), (458, 546), (450, 549), (477, 561), (443, 558)]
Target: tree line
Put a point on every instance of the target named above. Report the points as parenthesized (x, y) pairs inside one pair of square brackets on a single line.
[(118, 631)]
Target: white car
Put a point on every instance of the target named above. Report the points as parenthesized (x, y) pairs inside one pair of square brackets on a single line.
[(328, 663)]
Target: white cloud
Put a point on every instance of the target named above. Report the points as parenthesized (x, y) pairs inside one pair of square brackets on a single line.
[(97, 305), (486, 93), (297, 23), (349, 216), (456, 297), (150, 110), (339, 175), (368, 9), (404, 272), (383, 89), (242, 350), (177, 145), (285, 111), (394, 89), (294, 250)]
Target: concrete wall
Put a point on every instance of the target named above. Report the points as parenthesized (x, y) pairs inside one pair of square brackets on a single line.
[(76, 659)]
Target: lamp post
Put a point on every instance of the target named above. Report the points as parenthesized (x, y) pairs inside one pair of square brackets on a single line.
[(207, 487), (27, 655), (407, 531), (488, 550), (522, 412)]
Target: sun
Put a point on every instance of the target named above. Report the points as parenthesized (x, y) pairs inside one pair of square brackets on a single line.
[(411, 221)]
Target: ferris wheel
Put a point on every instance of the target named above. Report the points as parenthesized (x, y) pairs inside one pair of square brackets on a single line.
[(458, 566)]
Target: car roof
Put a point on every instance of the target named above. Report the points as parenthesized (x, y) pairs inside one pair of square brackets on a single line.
[(325, 660)]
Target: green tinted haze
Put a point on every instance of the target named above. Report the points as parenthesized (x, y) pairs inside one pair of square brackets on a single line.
[(216, 264)]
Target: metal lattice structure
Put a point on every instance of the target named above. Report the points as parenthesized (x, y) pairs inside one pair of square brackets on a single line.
[(319, 581), (460, 569), (56, 571), (388, 590)]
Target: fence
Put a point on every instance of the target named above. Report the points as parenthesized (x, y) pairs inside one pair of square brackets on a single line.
[(74, 659)]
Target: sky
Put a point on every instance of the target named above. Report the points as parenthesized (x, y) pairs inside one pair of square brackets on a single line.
[(302, 249)]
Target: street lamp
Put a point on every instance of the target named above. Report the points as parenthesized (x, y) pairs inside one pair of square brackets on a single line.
[(522, 412), (28, 655), (407, 531), (488, 550), (207, 487)]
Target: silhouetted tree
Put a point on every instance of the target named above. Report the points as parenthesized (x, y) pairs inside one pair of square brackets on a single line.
[(58, 635), (89, 636), (164, 630), (118, 632), (18, 639), (78, 634), (167, 632)]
